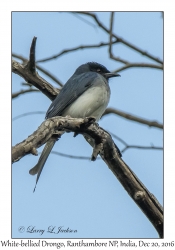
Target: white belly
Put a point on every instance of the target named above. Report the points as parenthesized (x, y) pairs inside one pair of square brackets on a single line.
[(92, 102)]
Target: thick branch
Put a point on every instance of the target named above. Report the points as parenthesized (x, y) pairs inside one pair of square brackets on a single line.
[(133, 118), (104, 146), (46, 72), (110, 111), (36, 80), (28, 72), (43, 134)]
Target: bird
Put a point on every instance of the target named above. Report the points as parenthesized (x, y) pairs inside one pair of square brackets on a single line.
[(85, 94)]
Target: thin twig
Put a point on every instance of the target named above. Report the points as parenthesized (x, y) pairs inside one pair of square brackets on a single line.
[(127, 146), (133, 118), (28, 113), (139, 65), (73, 156), (127, 63), (84, 20), (75, 49), (121, 40), (141, 147), (118, 138), (110, 40), (14, 95)]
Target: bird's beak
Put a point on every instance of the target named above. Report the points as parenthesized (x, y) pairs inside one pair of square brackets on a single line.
[(110, 74)]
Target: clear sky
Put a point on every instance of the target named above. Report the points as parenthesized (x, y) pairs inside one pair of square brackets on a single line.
[(79, 194)]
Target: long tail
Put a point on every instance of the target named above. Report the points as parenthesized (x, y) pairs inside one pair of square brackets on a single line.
[(37, 169)]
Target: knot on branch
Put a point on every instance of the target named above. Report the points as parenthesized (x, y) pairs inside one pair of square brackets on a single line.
[(139, 195)]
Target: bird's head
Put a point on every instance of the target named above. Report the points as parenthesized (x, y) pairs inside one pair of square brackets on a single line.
[(95, 67)]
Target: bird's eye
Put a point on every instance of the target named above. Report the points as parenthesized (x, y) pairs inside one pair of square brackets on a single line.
[(98, 70)]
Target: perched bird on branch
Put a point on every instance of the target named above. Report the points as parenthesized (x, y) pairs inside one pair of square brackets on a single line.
[(85, 94)]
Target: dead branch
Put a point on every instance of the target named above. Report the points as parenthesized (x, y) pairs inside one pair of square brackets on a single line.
[(127, 146), (34, 78), (104, 146), (46, 72)]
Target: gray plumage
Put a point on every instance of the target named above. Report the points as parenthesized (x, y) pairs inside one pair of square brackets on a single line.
[(85, 94)]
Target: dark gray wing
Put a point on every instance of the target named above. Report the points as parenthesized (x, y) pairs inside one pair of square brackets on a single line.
[(73, 88)]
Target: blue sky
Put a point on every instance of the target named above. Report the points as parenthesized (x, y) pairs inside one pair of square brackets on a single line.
[(80, 194)]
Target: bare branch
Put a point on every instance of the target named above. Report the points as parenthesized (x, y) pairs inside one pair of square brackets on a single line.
[(141, 147), (36, 80), (107, 150), (110, 31), (72, 156), (123, 150), (110, 42), (46, 130), (46, 72), (119, 39), (138, 65), (127, 64), (118, 138), (84, 20), (28, 72), (133, 118), (127, 146), (111, 111), (14, 95), (75, 49), (28, 113)]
